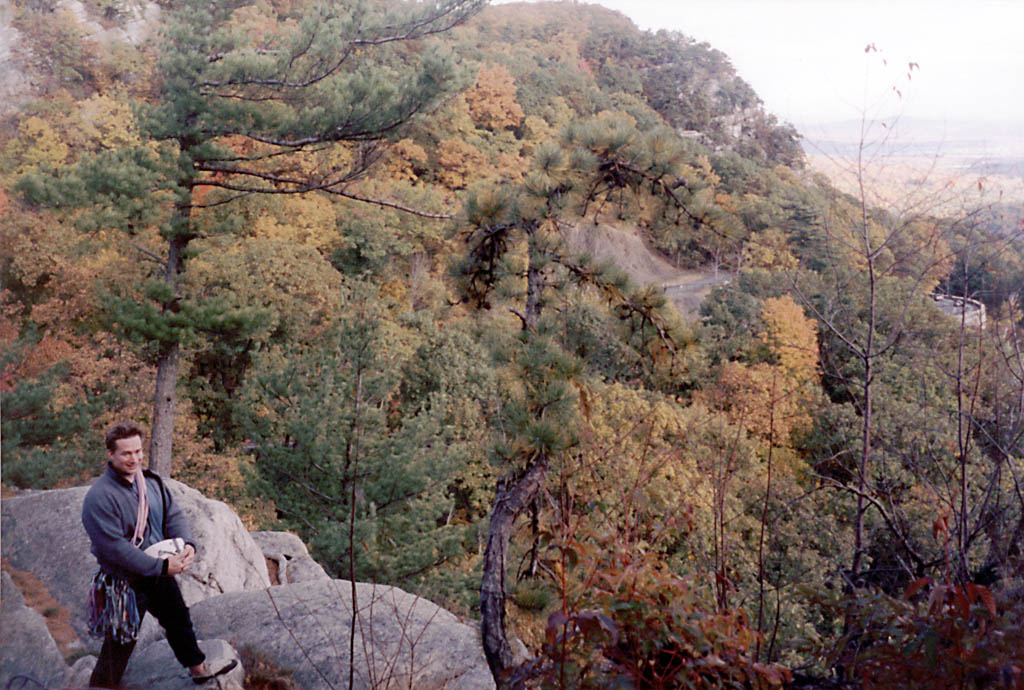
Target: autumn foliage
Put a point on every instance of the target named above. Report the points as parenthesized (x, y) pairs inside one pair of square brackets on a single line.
[(939, 634), (492, 100), (637, 624), (386, 302)]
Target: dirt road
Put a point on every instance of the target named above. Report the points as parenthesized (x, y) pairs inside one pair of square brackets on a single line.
[(688, 292), (625, 247)]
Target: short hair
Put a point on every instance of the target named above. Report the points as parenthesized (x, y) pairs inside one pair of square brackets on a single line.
[(122, 430)]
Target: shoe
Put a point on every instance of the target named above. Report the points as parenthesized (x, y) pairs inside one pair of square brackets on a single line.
[(199, 680)]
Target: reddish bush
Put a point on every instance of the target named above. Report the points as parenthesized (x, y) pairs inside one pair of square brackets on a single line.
[(638, 625)]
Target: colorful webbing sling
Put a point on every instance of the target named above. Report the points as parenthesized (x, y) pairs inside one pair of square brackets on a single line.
[(113, 610)]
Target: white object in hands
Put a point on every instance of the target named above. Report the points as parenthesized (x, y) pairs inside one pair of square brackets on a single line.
[(166, 548)]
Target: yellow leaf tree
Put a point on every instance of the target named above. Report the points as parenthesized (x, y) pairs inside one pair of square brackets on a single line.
[(492, 99)]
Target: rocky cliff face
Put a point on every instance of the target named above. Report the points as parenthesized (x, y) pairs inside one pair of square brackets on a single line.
[(303, 625), (14, 83), (135, 24)]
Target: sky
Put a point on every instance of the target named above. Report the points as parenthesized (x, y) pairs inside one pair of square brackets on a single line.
[(806, 58)]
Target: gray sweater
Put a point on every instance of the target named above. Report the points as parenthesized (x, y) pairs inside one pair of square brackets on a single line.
[(108, 515)]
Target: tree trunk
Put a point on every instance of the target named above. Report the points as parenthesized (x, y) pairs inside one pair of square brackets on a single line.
[(868, 358), (513, 497), (161, 458), (862, 471), (534, 285), (162, 433)]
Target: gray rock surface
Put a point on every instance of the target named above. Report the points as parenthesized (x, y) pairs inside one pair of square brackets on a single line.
[(228, 560), (26, 647), (137, 23), (43, 533), (155, 668), (401, 641), (302, 628), (15, 87), (79, 673), (291, 556)]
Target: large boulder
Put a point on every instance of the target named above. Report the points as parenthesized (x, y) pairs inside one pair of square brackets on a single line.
[(80, 672), (290, 558), (26, 647), (227, 560), (301, 628), (43, 533), (400, 640), (155, 668)]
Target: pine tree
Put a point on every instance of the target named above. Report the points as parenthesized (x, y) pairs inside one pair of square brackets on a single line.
[(600, 166), (249, 102)]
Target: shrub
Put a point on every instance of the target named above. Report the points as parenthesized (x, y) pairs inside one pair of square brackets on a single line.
[(938, 635), (639, 625)]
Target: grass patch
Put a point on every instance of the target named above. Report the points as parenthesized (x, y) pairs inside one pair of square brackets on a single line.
[(262, 674), (532, 597)]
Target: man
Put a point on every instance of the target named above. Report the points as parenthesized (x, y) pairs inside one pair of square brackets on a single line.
[(110, 516)]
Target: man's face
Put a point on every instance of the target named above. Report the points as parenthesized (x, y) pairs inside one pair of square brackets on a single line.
[(126, 457)]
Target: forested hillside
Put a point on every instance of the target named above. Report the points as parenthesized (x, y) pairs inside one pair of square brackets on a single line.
[(323, 251)]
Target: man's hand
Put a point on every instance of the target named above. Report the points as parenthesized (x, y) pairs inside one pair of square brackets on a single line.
[(181, 562)]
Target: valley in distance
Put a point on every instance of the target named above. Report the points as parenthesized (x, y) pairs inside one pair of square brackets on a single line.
[(940, 167)]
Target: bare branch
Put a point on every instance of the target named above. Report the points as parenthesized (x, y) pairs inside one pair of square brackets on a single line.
[(158, 259), (302, 186), (389, 204), (520, 314), (867, 496)]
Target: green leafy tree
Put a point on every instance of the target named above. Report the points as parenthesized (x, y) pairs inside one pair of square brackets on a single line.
[(291, 294), (45, 441), (278, 104), (369, 490)]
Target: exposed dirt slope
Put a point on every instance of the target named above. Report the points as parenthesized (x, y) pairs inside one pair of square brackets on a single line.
[(624, 246)]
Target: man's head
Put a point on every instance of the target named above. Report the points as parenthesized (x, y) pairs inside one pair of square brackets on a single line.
[(124, 448)]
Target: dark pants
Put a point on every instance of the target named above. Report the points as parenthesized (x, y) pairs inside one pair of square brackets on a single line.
[(161, 597)]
